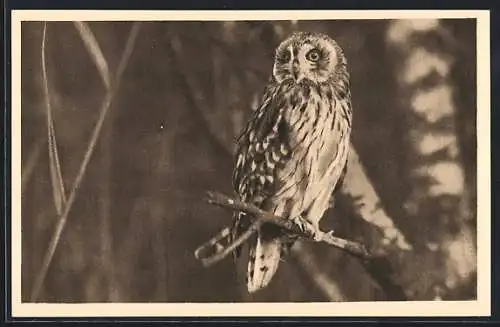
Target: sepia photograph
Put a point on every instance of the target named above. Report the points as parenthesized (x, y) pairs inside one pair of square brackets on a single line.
[(251, 159)]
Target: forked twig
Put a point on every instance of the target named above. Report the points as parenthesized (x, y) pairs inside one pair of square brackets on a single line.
[(378, 267), (299, 227)]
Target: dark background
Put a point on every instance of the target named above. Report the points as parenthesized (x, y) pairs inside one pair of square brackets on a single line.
[(184, 96)]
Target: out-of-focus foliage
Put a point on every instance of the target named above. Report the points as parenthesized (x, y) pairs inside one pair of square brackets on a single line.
[(185, 95), (438, 199)]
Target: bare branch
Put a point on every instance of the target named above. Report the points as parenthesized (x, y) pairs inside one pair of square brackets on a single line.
[(298, 226), (220, 251), (378, 267)]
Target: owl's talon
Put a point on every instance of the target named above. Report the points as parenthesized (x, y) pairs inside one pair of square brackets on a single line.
[(317, 236), (299, 222)]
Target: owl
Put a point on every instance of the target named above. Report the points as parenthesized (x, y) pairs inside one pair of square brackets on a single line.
[(292, 155)]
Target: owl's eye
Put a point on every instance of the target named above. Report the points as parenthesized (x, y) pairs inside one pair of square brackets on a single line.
[(313, 55), (284, 56)]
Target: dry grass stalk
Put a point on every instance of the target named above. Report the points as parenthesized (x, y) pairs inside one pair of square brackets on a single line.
[(88, 155)]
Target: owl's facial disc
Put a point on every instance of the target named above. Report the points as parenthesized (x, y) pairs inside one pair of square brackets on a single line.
[(309, 59)]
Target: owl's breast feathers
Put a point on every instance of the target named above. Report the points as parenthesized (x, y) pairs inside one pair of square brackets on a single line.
[(294, 148)]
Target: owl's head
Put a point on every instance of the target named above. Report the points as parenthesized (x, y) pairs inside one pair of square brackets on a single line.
[(310, 57)]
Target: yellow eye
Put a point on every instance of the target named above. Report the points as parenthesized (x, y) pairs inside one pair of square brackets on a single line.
[(313, 55)]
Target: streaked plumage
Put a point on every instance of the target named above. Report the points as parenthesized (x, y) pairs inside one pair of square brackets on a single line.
[(292, 155)]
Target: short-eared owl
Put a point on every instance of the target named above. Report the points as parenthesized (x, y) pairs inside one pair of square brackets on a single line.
[(292, 155)]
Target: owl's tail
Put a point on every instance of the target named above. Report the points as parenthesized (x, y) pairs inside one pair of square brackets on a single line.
[(263, 262)]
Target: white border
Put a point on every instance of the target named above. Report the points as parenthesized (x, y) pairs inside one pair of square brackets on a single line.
[(480, 307)]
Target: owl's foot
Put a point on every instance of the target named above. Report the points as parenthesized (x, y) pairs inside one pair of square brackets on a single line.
[(318, 236), (309, 228), (302, 224)]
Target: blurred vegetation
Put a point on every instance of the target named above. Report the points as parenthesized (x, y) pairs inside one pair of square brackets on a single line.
[(185, 94)]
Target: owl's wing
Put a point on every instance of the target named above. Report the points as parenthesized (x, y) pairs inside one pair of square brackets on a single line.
[(262, 149)]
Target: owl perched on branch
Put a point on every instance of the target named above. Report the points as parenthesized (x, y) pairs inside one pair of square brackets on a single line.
[(292, 155)]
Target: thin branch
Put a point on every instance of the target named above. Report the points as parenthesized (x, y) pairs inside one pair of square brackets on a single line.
[(378, 267), (83, 167), (221, 251), (298, 226)]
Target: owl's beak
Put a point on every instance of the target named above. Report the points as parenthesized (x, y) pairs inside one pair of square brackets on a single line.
[(296, 72)]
